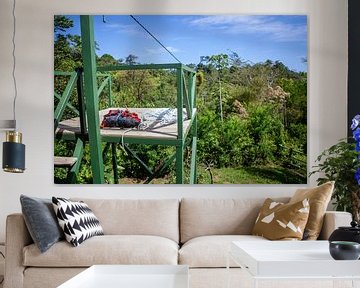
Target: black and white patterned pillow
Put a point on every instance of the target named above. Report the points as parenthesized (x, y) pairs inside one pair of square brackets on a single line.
[(77, 220)]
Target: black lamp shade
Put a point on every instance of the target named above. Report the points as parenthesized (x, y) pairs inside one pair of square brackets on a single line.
[(13, 157)]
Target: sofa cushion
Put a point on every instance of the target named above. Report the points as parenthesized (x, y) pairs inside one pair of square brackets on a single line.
[(279, 221), (158, 217), (201, 217), (77, 220), (319, 198), (211, 251), (35, 277), (41, 221), (107, 249)]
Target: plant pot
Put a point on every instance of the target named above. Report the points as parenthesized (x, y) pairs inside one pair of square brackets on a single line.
[(344, 233)]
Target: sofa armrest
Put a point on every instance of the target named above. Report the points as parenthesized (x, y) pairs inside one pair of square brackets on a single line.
[(333, 220), (17, 237)]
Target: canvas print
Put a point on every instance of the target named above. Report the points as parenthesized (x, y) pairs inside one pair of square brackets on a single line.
[(180, 99)]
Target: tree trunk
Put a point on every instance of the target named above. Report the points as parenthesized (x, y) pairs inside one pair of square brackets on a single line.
[(355, 201)]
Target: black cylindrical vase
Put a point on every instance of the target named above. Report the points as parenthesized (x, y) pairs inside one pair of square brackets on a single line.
[(13, 153)]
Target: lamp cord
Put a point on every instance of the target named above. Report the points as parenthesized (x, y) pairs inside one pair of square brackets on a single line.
[(2, 280), (14, 60)]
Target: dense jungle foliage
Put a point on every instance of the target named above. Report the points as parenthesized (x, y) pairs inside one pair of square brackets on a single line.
[(252, 117)]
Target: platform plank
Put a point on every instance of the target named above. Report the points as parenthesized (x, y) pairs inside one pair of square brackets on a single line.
[(155, 130), (64, 161)]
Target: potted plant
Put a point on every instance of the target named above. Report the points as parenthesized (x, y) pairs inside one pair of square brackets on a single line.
[(341, 163)]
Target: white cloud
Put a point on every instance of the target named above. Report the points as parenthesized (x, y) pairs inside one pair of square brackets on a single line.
[(181, 38), (161, 50), (261, 25), (122, 28)]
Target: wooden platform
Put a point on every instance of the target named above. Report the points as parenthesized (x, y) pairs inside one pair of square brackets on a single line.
[(151, 130), (64, 161)]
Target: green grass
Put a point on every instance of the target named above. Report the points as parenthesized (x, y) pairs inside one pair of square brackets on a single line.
[(249, 175), (256, 175), (252, 175)]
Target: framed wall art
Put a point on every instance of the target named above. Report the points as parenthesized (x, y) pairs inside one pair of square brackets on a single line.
[(180, 99)]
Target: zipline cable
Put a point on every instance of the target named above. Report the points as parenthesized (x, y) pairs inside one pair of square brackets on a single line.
[(158, 41)]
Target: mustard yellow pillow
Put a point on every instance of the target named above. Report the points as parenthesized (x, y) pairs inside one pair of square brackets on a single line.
[(319, 198), (279, 221)]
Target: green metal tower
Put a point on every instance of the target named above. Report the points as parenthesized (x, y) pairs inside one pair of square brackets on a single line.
[(86, 127)]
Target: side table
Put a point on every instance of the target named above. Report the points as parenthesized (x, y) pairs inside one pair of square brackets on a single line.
[(293, 263)]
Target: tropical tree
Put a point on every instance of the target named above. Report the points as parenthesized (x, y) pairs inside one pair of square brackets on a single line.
[(220, 62)]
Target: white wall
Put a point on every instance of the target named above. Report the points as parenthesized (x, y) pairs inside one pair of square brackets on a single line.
[(327, 89)]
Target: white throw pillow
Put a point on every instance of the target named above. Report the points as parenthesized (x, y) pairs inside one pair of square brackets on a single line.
[(76, 220)]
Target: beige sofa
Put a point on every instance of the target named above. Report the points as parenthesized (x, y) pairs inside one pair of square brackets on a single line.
[(190, 231)]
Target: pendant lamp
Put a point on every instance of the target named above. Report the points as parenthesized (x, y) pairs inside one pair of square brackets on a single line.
[(13, 155)]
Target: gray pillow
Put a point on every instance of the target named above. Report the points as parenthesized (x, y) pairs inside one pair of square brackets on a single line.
[(41, 221)]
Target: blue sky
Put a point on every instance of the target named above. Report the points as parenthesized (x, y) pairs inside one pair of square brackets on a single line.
[(254, 38)]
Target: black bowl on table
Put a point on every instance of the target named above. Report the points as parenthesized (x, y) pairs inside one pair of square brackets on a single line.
[(344, 250)]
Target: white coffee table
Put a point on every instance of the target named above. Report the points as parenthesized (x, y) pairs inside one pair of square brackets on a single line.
[(296, 260), (131, 276)]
